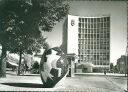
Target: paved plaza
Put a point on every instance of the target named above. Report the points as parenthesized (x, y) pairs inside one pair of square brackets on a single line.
[(94, 83), (81, 82)]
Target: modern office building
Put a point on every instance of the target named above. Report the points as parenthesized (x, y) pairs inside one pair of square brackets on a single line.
[(89, 39)]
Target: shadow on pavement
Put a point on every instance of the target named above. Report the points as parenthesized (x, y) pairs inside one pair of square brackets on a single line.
[(23, 75), (30, 75), (27, 85), (11, 73)]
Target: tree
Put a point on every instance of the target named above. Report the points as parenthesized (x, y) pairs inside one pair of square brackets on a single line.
[(35, 67), (111, 67), (33, 45), (46, 46), (116, 70), (21, 23)]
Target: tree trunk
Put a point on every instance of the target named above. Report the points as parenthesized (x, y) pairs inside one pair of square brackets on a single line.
[(3, 63), (19, 64)]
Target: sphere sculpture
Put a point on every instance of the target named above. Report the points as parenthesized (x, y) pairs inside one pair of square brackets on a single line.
[(53, 67)]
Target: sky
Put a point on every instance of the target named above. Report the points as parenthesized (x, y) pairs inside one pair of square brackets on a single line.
[(118, 23)]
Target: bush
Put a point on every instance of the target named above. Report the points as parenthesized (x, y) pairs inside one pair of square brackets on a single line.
[(35, 68)]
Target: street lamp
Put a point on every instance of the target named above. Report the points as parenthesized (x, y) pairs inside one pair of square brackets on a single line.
[(127, 67)]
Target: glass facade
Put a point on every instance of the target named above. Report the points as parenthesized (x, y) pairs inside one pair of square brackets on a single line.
[(94, 40)]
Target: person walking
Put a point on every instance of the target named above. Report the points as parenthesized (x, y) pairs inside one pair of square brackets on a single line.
[(104, 72)]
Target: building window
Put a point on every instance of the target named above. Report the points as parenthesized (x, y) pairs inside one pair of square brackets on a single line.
[(82, 19), (94, 37), (79, 19), (108, 35), (108, 19), (107, 57), (80, 25), (79, 35)]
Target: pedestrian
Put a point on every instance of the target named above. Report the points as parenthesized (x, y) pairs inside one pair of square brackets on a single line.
[(104, 72)]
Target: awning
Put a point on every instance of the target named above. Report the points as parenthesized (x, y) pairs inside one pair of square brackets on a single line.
[(13, 64), (83, 65)]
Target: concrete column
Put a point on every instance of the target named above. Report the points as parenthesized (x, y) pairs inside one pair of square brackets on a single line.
[(72, 68)]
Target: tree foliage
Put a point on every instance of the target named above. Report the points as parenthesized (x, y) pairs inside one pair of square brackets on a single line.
[(22, 20), (21, 23), (111, 67)]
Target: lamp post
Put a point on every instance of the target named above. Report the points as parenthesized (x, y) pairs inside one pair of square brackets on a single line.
[(127, 48), (126, 67)]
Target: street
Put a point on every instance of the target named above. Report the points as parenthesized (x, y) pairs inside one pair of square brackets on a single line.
[(86, 83)]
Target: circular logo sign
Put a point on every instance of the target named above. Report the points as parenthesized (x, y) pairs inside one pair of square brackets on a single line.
[(72, 22)]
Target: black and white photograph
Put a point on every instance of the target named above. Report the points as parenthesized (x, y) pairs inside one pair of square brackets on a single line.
[(64, 45)]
